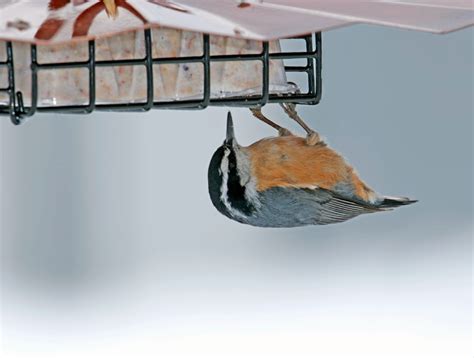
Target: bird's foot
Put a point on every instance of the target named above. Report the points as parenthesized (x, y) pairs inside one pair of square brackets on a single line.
[(283, 132), (313, 138)]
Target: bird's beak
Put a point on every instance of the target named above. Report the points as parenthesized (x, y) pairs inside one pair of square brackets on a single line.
[(230, 137)]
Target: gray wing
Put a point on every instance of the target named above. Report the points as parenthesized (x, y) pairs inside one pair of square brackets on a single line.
[(288, 207)]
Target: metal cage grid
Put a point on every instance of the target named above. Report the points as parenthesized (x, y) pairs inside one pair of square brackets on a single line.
[(18, 112)]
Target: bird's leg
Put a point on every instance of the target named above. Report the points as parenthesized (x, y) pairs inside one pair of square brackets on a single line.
[(257, 112), (312, 137)]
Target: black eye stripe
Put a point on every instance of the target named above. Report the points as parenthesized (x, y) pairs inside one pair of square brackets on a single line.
[(235, 191)]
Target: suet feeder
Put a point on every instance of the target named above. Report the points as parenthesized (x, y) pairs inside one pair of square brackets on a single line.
[(79, 56)]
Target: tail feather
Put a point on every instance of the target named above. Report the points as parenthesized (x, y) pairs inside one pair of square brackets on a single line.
[(393, 202)]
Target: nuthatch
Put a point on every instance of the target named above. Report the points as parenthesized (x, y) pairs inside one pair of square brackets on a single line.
[(289, 181)]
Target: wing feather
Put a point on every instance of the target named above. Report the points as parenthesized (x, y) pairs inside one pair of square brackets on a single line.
[(340, 209), (285, 206)]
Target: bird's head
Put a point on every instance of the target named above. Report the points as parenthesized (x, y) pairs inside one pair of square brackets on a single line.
[(231, 186)]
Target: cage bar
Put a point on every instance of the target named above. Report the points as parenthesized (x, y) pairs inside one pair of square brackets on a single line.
[(18, 112)]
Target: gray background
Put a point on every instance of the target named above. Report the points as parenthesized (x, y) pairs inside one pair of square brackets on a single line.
[(111, 245)]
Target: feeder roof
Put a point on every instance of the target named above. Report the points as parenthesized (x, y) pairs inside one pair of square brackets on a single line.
[(54, 21)]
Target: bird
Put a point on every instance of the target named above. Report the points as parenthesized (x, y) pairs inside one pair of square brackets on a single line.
[(289, 181)]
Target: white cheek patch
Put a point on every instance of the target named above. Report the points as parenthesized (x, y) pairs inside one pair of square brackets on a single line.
[(224, 169), (242, 167), (246, 178)]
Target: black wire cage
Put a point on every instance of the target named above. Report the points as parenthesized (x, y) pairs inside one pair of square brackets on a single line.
[(309, 64)]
